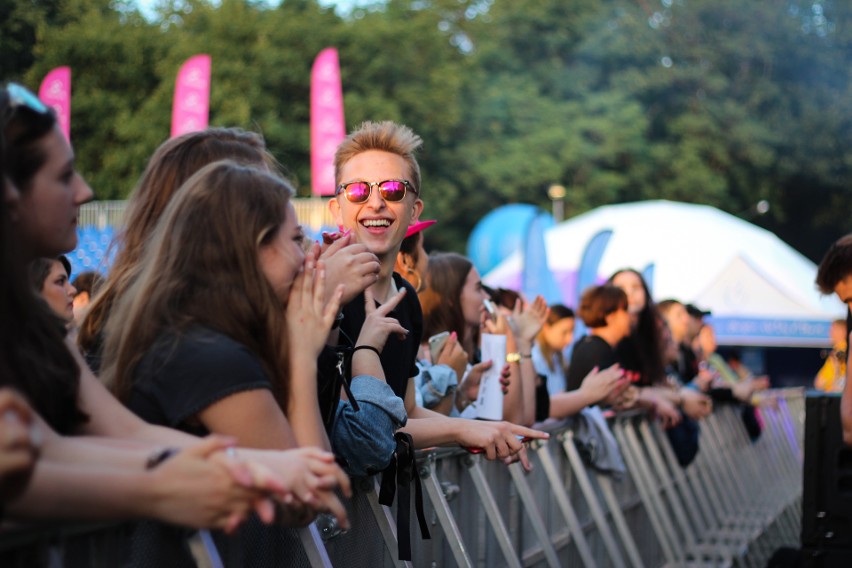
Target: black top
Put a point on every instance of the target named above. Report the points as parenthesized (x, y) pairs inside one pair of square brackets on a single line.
[(688, 363), (848, 330), (184, 373), (589, 352), (399, 356), (628, 357)]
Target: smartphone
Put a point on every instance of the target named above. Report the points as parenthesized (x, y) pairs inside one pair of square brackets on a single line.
[(436, 344), (490, 308)]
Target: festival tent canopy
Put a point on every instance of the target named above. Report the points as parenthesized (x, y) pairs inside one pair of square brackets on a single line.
[(759, 289)]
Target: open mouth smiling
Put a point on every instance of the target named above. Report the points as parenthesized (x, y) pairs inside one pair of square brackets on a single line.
[(376, 223)]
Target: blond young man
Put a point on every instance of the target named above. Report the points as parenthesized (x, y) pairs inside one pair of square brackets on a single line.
[(378, 197)]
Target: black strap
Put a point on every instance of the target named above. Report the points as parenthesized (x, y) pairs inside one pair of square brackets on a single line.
[(399, 474), (344, 368)]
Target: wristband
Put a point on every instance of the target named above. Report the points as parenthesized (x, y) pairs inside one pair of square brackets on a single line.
[(526, 355), (159, 457), (513, 357), (369, 347)]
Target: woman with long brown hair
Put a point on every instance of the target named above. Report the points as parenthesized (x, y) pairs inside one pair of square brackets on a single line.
[(200, 339), (175, 161)]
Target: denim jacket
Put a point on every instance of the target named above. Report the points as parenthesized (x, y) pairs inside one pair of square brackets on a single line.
[(364, 438)]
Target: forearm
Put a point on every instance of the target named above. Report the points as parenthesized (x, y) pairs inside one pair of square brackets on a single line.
[(430, 429), (528, 376), (513, 399), (303, 412), (61, 490), (564, 404)]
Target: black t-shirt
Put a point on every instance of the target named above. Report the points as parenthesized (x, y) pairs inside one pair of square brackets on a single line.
[(180, 375), (184, 373), (588, 353), (399, 356)]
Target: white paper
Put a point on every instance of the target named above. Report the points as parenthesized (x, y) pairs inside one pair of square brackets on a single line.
[(489, 403)]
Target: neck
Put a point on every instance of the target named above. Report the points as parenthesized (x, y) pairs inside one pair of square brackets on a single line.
[(384, 287), (607, 334)]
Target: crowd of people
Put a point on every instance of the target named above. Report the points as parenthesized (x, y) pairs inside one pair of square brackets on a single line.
[(228, 374)]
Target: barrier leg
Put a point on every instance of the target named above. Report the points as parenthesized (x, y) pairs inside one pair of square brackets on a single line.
[(445, 516), (527, 498), (564, 504), (493, 512), (605, 483), (644, 491), (591, 499), (314, 547)]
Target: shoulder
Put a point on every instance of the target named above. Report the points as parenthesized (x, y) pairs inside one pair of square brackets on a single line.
[(592, 343), (202, 350)]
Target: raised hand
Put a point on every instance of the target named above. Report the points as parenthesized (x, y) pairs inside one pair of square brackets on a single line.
[(377, 324), (349, 264), (529, 318), (310, 313), (468, 390), (453, 356)]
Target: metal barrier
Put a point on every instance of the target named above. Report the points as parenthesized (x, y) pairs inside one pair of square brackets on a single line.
[(737, 503)]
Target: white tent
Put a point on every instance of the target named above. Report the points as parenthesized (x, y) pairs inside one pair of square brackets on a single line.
[(760, 290)]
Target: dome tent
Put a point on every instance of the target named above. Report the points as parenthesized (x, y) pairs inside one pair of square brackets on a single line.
[(760, 290)]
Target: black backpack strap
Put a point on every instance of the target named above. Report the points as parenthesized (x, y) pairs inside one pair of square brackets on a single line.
[(399, 475)]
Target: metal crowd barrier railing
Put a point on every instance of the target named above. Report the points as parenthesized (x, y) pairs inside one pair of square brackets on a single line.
[(734, 505)]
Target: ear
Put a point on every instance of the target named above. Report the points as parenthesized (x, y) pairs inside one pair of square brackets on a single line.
[(416, 210), (405, 260), (401, 263), (334, 208)]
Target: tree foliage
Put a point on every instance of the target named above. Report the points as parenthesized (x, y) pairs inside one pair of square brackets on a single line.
[(721, 102)]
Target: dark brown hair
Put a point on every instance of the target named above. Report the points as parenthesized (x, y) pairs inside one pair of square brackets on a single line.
[(645, 342), (835, 265), (204, 253), (33, 356), (440, 298), (174, 162), (597, 302)]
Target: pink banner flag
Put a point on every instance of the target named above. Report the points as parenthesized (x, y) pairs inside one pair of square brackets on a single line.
[(191, 108), (55, 92), (327, 127)]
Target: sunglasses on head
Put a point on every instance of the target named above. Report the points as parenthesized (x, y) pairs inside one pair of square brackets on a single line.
[(390, 190), (22, 97)]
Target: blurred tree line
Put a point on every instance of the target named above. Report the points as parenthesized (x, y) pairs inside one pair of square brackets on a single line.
[(721, 102)]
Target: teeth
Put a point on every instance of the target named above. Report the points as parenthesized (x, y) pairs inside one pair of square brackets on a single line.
[(376, 223)]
